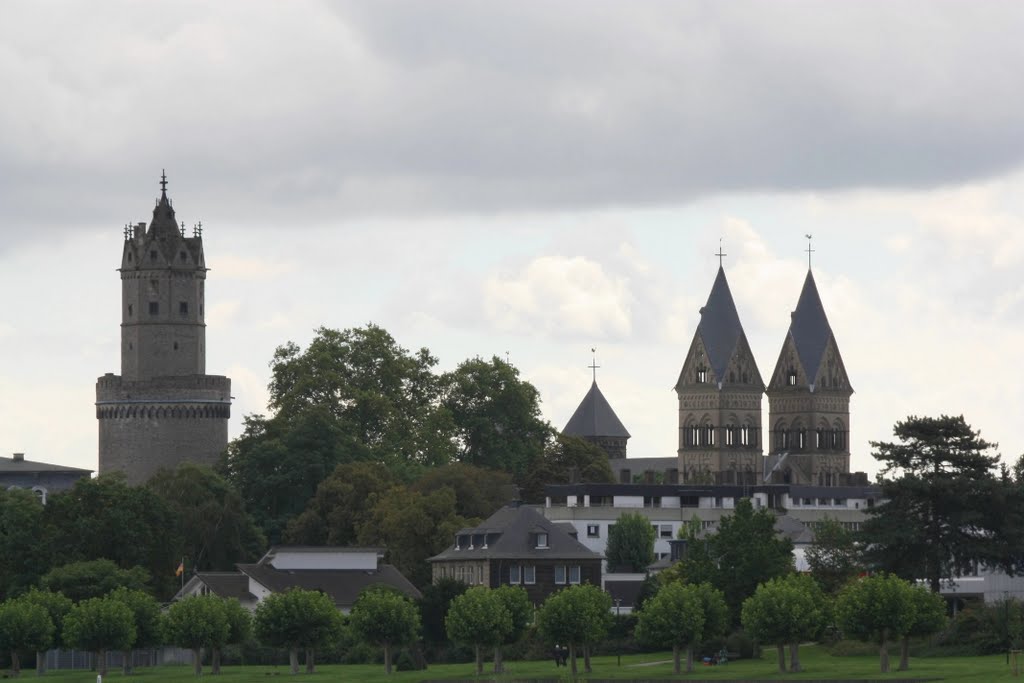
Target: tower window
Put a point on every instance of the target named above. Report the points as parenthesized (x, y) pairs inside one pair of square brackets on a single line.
[(745, 435), (183, 308), (154, 308), (791, 378), (152, 255), (183, 256), (730, 435), (131, 310), (702, 375), (175, 346)]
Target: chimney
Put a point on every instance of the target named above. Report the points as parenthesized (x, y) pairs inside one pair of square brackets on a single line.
[(19, 457)]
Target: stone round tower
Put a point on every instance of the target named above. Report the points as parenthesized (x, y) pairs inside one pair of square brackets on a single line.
[(163, 409)]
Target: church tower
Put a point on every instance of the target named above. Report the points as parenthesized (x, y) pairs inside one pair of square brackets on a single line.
[(596, 422), (163, 409), (809, 399), (719, 390)]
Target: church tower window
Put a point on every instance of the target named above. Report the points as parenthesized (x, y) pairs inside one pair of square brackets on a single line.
[(791, 378), (183, 308), (702, 375), (154, 308)]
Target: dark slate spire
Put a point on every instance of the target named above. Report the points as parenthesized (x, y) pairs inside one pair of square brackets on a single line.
[(809, 328), (164, 224), (719, 326), (595, 418)]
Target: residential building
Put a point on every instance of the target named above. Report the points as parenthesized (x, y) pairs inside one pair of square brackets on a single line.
[(42, 478)]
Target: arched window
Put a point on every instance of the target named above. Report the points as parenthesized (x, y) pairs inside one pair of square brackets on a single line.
[(730, 435)]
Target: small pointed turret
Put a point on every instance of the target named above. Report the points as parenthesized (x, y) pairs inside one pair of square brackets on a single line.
[(595, 421)]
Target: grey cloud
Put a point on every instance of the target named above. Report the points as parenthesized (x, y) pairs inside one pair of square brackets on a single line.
[(282, 113)]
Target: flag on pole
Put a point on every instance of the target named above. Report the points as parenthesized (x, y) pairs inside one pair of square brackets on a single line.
[(181, 568)]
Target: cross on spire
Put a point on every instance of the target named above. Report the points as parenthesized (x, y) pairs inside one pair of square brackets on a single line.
[(593, 364), (720, 254), (809, 250), (163, 182)]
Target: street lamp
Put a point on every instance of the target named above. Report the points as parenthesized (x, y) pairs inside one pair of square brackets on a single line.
[(618, 648)]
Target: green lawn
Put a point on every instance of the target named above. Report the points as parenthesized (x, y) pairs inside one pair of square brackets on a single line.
[(819, 665)]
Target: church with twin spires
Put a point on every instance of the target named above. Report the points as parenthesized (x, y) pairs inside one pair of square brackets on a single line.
[(720, 391)]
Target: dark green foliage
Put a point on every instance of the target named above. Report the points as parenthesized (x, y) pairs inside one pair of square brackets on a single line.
[(786, 611), (564, 460), (56, 605), (879, 609), (434, 605), (578, 616), (107, 518), (478, 491), (676, 618), (93, 579), (630, 543), (99, 625), (210, 518), (496, 415), (297, 620), (479, 618), (342, 504), (25, 550), (24, 627), (413, 527), (197, 622), (944, 508), (833, 557), (386, 619)]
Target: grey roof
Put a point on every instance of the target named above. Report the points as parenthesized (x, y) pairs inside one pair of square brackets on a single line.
[(227, 584), (514, 526), (12, 465), (643, 464), (342, 585), (595, 417), (809, 328), (719, 325)]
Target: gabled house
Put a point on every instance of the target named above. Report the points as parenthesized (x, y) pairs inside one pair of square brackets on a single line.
[(519, 546), (341, 573)]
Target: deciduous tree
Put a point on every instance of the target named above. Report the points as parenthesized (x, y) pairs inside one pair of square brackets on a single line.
[(496, 415), (878, 609), (786, 611), (565, 459), (521, 611), (386, 619), (929, 618), (215, 530), (673, 618), (146, 617), (57, 606), (99, 625), (479, 618), (196, 622), (25, 545), (343, 502), (93, 578), (478, 491), (298, 620), (24, 627), (578, 616)]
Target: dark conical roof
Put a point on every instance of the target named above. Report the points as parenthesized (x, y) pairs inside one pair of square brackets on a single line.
[(595, 417), (809, 328), (719, 325)]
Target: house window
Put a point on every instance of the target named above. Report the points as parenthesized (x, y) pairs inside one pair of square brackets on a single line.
[(154, 308), (560, 574), (514, 574), (665, 531), (574, 574), (479, 574), (183, 307), (542, 540), (530, 575), (593, 531)]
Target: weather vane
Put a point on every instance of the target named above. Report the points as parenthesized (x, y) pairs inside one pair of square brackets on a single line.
[(809, 250), (163, 181)]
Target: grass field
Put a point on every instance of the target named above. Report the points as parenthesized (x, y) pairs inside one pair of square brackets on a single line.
[(818, 664)]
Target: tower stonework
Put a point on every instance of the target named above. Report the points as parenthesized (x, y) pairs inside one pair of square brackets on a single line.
[(163, 409), (809, 400), (720, 390)]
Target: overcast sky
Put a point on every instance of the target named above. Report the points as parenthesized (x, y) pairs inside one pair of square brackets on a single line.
[(530, 178)]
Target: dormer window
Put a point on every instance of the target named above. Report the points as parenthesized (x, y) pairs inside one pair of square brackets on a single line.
[(542, 540), (791, 378), (702, 375), (152, 255)]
